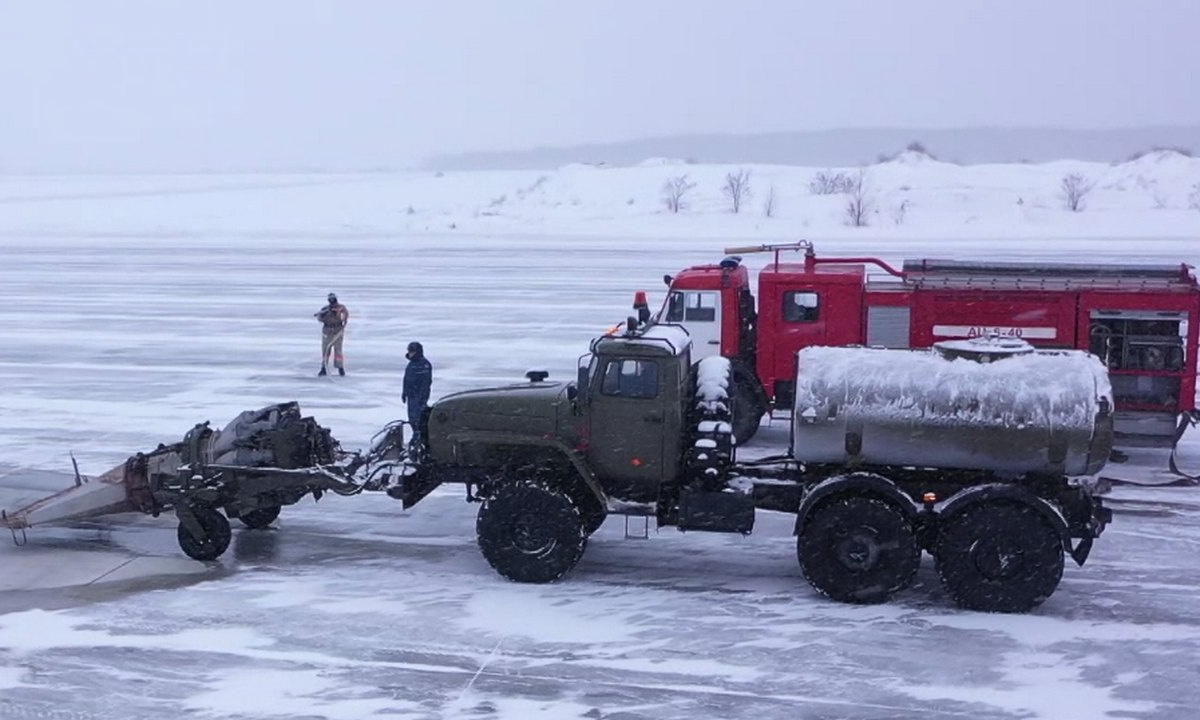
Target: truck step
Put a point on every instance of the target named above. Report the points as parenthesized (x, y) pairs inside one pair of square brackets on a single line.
[(632, 530)]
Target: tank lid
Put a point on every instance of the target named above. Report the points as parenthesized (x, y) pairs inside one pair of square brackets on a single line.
[(983, 349)]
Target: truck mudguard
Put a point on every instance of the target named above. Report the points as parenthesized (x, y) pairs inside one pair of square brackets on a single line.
[(551, 444), (856, 483), (1000, 491)]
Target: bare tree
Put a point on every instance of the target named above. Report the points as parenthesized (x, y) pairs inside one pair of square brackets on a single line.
[(674, 190), (1194, 198), (827, 182), (737, 189), (769, 203), (1075, 188), (858, 207)]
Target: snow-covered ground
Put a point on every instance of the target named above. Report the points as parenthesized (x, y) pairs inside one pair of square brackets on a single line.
[(132, 307)]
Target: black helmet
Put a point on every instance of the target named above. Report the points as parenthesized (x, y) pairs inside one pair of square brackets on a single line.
[(332, 298), (415, 347)]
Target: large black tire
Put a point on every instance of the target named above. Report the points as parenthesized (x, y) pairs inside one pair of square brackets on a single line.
[(858, 549), (261, 518), (214, 540), (747, 410), (999, 556), (530, 531)]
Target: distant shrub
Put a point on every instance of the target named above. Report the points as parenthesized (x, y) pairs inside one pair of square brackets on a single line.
[(769, 203), (827, 182), (861, 201), (737, 189), (1075, 188), (674, 190)]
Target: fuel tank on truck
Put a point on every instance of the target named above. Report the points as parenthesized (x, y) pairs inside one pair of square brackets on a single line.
[(985, 404)]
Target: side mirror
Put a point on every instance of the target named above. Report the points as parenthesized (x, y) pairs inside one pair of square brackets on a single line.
[(581, 384), (667, 280)]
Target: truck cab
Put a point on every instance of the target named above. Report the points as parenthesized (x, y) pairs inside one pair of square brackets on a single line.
[(616, 433), (633, 392)]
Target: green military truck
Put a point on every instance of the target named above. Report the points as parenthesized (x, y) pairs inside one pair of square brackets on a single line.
[(963, 452)]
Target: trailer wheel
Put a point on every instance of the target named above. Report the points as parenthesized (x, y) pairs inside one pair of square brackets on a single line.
[(999, 556), (530, 532), (261, 518), (212, 542), (858, 549)]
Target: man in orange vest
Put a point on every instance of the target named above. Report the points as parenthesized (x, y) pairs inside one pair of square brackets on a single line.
[(333, 317)]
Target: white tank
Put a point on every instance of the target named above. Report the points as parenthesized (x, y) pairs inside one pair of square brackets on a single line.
[(1002, 409)]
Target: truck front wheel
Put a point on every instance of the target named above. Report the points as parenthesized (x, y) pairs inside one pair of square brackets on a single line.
[(747, 410), (999, 556), (530, 532), (858, 549)]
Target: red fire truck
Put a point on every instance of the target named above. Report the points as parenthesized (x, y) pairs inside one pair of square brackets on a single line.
[(1141, 320)]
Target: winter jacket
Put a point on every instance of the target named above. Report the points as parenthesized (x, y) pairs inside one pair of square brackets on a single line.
[(418, 377), (333, 317)]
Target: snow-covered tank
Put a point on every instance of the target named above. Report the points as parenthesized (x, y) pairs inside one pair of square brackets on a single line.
[(979, 405)]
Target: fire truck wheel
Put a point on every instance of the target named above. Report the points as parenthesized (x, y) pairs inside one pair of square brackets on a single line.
[(214, 539), (747, 412), (999, 556), (858, 549), (261, 518), (530, 531)]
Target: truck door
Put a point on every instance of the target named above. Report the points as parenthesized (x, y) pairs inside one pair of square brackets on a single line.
[(804, 315), (627, 426), (700, 312)]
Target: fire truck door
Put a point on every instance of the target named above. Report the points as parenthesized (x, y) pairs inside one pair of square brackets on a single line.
[(700, 312)]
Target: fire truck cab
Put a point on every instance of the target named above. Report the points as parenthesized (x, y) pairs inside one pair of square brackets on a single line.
[(1142, 321)]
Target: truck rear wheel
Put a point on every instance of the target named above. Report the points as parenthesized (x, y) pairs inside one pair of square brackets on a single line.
[(530, 532), (999, 556), (261, 518), (213, 539), (858, 549)]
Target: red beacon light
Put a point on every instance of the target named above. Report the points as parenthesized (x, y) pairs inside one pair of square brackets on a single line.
[(642, 305)]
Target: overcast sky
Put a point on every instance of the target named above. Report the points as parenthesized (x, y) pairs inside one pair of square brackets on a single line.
[(156, 84)]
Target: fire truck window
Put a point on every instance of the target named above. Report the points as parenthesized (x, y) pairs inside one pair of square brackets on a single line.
[(692, 307), (1136, 344), (801, 307), (675, 307), (631, 379)]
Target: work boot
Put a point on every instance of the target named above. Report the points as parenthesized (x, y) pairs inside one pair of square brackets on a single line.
[(322, 373), (342, 372)]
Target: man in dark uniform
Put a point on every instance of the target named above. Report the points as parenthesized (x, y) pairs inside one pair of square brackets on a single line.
[(418, 378)]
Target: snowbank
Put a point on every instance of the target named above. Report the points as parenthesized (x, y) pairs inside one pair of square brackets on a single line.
[(911, 195)]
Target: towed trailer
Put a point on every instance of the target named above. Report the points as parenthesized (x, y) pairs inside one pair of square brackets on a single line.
[(260, 462)]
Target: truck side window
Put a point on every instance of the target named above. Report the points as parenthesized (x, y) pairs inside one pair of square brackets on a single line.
[(630, 378), (692, 307), (801, 307)]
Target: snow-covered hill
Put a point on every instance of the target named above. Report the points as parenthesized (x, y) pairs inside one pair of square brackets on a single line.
[(912, 195)]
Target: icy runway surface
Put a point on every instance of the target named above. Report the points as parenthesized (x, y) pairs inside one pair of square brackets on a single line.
[(352, 608)]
